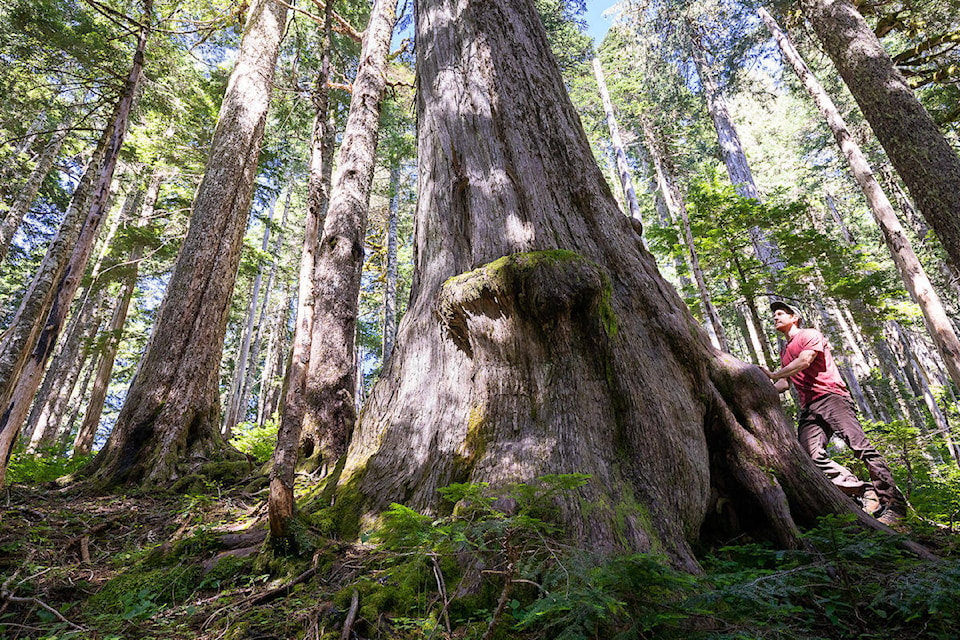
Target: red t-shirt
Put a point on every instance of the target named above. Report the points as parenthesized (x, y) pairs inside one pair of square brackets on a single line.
[(822, 376)]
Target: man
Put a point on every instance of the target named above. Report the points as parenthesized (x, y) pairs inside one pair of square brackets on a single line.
[(827, 409)]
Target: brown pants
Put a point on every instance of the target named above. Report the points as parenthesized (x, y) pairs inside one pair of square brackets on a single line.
[(831, 414)]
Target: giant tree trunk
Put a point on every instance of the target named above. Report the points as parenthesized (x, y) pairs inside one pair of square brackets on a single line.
[(911, 271), (541, 338), (918, 150), (18, 390), (330, 381), (28, 193), (171, 416)]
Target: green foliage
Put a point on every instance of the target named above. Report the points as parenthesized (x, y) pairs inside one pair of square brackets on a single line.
[(255, 440), (46, 465)]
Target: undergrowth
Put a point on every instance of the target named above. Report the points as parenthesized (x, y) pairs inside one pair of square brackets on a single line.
[(497, 567)]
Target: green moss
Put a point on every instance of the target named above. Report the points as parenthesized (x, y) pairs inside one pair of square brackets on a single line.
[(342, 518), (542, 285)]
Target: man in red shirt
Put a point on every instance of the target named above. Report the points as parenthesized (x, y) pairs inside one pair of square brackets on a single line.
[(827, 409)]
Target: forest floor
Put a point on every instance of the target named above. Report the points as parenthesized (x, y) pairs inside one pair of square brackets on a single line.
[(196, 565)]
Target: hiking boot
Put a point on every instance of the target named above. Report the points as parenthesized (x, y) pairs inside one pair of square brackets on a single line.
[(870, 502)]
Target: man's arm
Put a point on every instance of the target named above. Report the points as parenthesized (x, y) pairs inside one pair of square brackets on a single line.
[(801, 362)]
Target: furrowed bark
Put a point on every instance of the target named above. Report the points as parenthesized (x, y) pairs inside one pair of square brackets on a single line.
[(331, 376), (171, 416), (293, 406), (923, 157)]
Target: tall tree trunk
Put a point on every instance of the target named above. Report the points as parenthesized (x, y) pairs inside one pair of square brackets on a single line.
[(623, 169), (17, 391), (236, 409), (104, 371), (262, 316), (390, 278), (45, 419), (28, 193), (923, 157), (290, 446), (911, 271), (271, 380), (541, 338), (330, 380), (170, 419), (676, 206), (731, 149), (82, 440)]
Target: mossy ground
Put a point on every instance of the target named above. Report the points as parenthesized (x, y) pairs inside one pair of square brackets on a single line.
[(160, 567)]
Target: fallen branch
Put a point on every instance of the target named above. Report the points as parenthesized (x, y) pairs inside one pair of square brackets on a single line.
[(351, 615)]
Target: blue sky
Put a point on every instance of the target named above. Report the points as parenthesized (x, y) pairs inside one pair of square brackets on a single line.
[(597, 24)]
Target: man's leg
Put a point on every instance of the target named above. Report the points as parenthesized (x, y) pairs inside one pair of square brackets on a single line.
[(812, 431), (842, 418)]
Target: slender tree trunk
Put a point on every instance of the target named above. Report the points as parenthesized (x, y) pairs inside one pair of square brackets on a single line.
[(170, 419), (541, 339), (623, 169), (923, 157), (18, 391), (330, 380), (837, 218), (676, 206), (104, 371), (271, 381), (911, 271), (390, 278), (235, 408), (45, 419), (264, 310), (731, 150), (28, 193), (82, 440), (290, 446)]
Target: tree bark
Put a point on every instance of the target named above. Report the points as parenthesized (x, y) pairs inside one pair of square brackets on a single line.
[(330, 380), (331, 376), (290, 446), (170, 419), (104, 371), (911, 271), (541, 338), (623, 169), (28, 193), (923, 157), (17, 391)]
